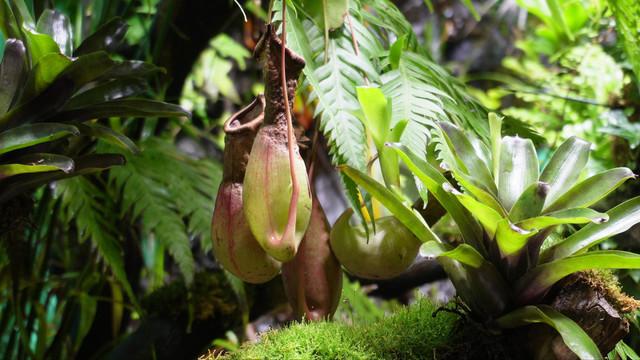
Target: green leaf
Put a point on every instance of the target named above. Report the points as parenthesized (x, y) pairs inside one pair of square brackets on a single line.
[(621, 218), (574, 337), (565, 167), (490, 293), (530, 202), (43, 75), (88, 307), (112, 90), (480, 192), (328, 14), (123, 108), (557, 14), (334, 87), (83, 165), (495, 127), (36, 163), (108, 134), (469, 5), (535, 284), (10, 72), (518, 169), (404, 213), (592, 189), (40, 45), (130, 68), (511, 239), (463, 253), (395, 51), (106, 38), (432, 180), (57, 26), (465, 151), (29, 135), (8, 24), (627, 15), (487, 216), (566, 216), (377, 118)]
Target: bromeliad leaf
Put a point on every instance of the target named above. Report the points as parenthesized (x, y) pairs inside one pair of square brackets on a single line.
[(57, 26), (106, 38), (572, 334), (621, 218), (530, 202), (535, 284), (518, 169), (112, 90), (108, 134), (432, 179), (29, 135), (487, 216), (511, 239), (10, 72), (566, 216), (36, 163), (404, 213), (565, 167), (592, 189)]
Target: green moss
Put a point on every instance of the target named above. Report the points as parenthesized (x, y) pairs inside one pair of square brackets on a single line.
[(409, 333)]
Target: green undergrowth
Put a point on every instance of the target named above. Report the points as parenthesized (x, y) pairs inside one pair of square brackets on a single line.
[(411, 332)]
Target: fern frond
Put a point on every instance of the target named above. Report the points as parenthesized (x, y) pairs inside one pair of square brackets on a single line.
[(91, 208), (164, 188), (627, 14)]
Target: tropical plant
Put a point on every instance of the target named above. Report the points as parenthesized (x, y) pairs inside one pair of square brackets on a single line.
[(506, 212)]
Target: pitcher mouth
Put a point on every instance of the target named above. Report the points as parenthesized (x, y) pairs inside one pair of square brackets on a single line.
[(248, 119)]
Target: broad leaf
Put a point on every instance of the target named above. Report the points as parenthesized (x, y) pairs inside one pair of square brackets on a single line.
[(565, 167), (621, 218), (432, 179), (106, 38), (557, 14), (83, 165), (123, 108), (574, 337), (495, 126), (530, 202), (28, 135), (36, 163), (108, 134), (10, 72), (43, 75), (518, 169), (467, 154), (112, 90), (487, 216), (57, 26), (39, 45), (404, 213), (511, 239), (328, 14), (377, 118), (486, 286), (566, 216), (592, 189), (480, 192), (535, 284)]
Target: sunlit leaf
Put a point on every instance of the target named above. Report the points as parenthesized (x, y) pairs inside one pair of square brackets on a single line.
[(621, 218), (402, 211), (566, 216), (574, 337), (511, 239), (518, 169), (487, 216), (535, 284), (433, 179), (592, 189), (565, 167)]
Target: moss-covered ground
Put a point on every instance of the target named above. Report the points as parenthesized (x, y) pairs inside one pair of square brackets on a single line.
[(409, 333)]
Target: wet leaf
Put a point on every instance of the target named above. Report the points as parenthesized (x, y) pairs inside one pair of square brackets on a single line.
[(29, 135)]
